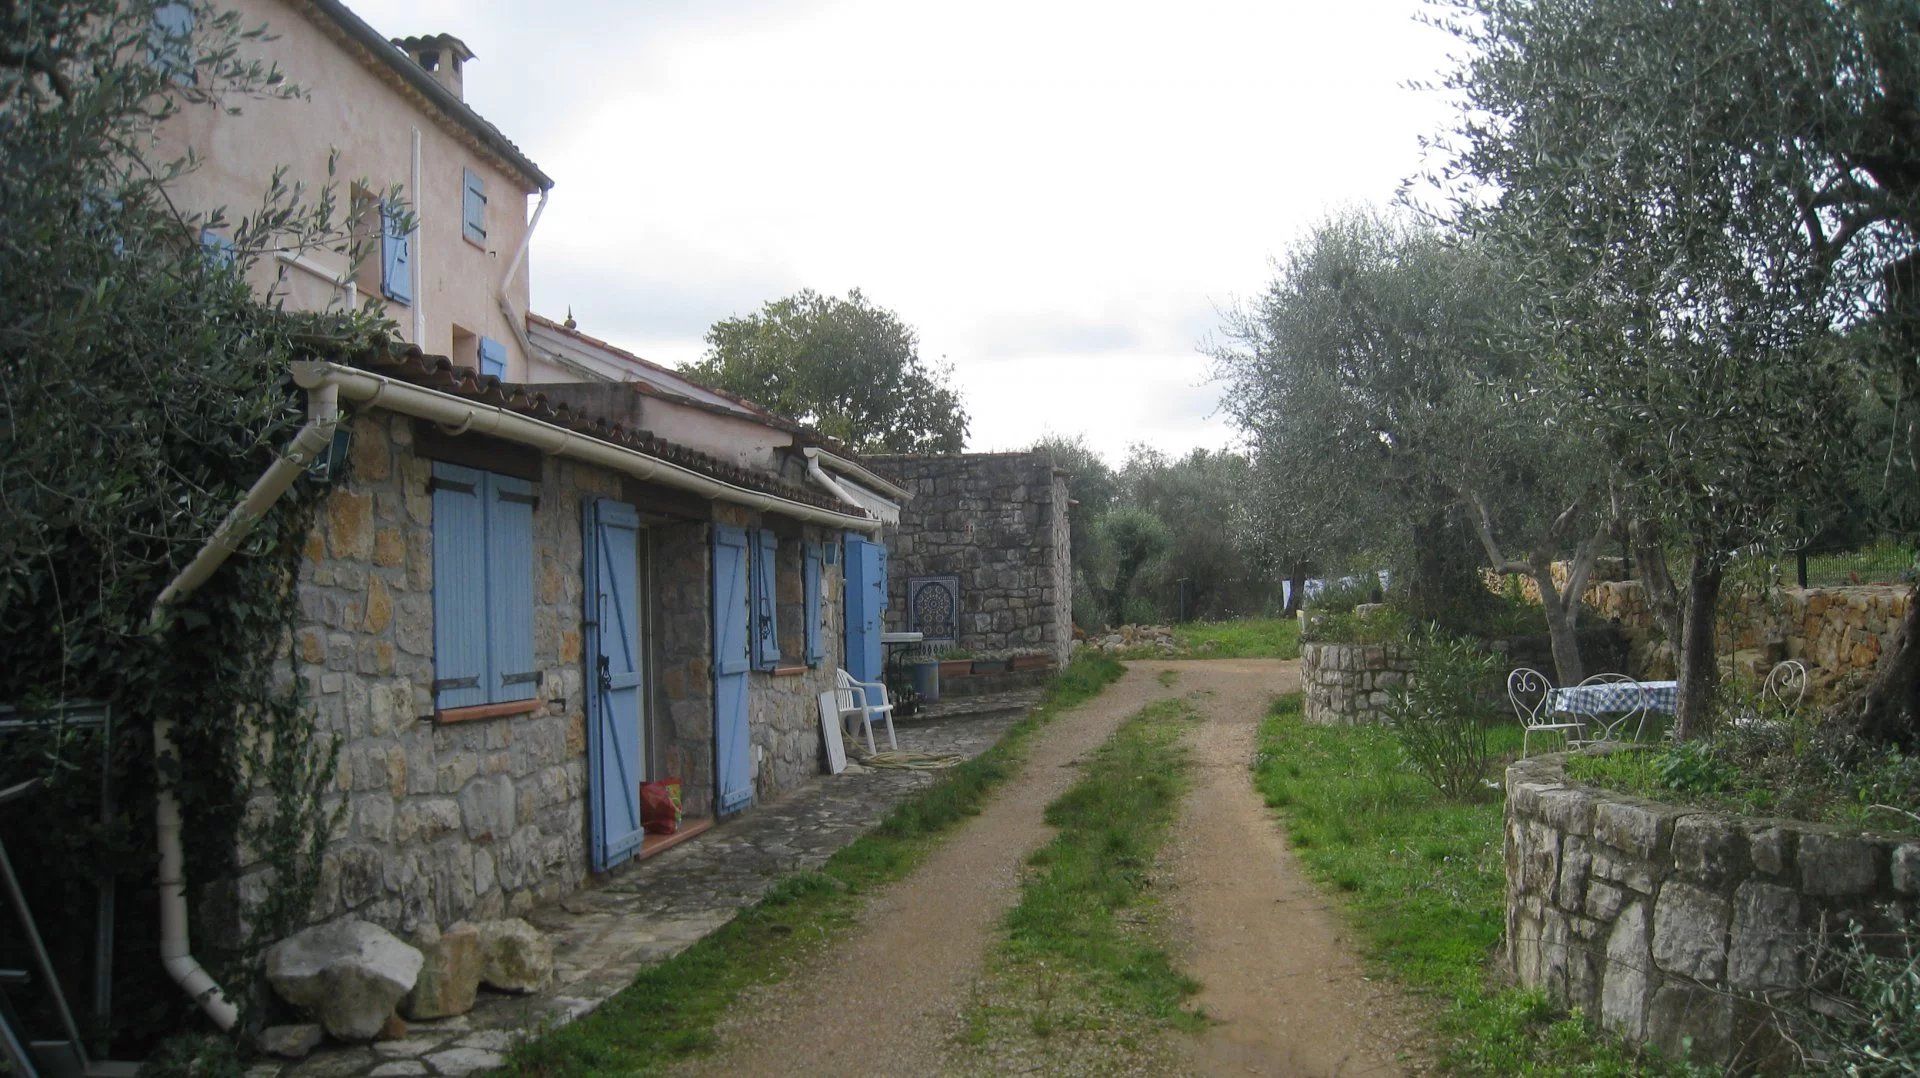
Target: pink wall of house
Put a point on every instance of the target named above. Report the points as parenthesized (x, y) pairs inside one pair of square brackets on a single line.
[(356, 105)]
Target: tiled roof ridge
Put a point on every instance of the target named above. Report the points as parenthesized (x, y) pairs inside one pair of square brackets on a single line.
[(410, 364)]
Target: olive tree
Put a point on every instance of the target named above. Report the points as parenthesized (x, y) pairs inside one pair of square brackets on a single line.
[(1703, 194)]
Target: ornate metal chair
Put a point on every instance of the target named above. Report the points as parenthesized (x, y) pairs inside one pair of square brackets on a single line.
[(1531, 695), (1607, 703), (1786, 684)]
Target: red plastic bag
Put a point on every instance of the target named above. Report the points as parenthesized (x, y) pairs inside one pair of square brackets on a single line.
[(660, 806)]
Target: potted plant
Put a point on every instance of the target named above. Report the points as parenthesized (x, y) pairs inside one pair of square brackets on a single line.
[(956, 663)]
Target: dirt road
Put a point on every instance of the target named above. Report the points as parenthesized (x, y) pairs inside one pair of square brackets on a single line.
[(1289, 999)]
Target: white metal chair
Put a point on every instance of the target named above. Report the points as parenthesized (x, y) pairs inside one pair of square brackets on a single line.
[(1530, 693), (1611, 720), (1786, 684), (856, 701)]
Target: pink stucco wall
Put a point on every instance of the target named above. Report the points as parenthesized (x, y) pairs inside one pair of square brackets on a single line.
[(353, 107)]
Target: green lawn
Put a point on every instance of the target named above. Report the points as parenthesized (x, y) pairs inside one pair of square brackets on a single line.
[(1882, 563), (670, 1010), (1246, 638), (1424, 882), (1081, 981)]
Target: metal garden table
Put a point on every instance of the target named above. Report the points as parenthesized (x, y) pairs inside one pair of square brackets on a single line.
[(1611, 705)]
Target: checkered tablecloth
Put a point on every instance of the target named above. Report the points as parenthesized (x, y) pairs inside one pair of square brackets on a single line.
[(1617, 697)]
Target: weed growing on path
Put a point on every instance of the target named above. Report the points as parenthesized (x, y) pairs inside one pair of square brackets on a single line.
[(1166, 678), (1082, 976), (670, 1011), (1423, 878)]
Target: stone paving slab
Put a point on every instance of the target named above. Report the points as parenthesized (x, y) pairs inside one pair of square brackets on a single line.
[(645, 913)]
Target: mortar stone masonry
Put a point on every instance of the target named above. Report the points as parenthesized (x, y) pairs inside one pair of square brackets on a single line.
[(1685, 929)]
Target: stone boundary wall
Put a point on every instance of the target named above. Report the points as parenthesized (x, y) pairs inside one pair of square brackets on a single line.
[(998, 521), (1347, 684), (1665, 923), (1836, 632)]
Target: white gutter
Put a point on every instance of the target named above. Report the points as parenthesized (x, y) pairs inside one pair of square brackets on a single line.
[(844, 466), (176, 951), (461, 416), (518, 322)]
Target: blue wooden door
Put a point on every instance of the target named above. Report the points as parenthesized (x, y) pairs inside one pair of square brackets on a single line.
[(615, 676), (866, 602), (732, 658)]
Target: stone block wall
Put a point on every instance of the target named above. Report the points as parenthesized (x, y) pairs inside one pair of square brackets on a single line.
[(1837, 632), (1347, 684), (998, 521), (440, 821), (1674, 926)]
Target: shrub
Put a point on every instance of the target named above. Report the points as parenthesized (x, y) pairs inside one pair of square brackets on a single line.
[(1868, 1027), (1441, 717)]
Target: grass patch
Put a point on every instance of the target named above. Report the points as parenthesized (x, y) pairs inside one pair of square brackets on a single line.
[(1424, 881), (1167, 678), (1885, 562), (670, 1011), (1082, 979), (1245, 638)]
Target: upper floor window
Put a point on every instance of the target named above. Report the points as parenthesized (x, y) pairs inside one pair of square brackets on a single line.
[(473, 208)]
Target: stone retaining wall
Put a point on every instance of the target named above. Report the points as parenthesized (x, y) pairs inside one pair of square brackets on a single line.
[(1837, 632), (1347, 684), (1677, 927)]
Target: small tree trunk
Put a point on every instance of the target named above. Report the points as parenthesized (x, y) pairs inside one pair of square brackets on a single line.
[(1888, 711), (1296, 584), (1562, 629), (1699, 666)]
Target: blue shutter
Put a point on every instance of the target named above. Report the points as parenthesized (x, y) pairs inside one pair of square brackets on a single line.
[(493, 358), (766, 622), (396, 254), (473, 208), (510, 504), (615, 669), (170, 40), (219, 250), (460, 677), (733, 760), (810, 567)]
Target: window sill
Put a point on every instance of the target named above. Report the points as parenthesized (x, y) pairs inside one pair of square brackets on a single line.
[(486, 711), (787, 671)]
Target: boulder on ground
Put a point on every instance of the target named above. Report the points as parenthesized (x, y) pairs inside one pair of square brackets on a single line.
[(347, 974), (290, 1042), (450, 975), (514, 956)]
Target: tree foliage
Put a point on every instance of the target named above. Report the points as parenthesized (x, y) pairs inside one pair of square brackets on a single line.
[(847, 367), (1702, 195), (143, 389)]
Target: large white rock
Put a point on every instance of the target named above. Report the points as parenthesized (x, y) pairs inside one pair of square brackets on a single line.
[(348, 974), (514, 956)]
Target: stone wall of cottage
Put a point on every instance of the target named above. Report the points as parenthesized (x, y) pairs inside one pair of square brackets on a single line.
[(998, 522), (1837, 632), (1674, 926), (441, 821)]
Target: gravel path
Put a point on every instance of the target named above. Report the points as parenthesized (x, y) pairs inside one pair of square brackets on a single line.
[(1286, 993), (888, 1000)]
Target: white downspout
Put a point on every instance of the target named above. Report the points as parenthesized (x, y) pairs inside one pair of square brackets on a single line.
[(821, 477), (518, 322), (419, 274), (176, 952)]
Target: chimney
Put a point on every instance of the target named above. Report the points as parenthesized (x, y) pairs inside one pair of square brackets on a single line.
[(441, 55)]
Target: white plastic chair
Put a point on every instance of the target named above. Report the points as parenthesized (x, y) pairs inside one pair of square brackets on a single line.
[(1786, 684), (1612, 723), (855, 700), (1530, 693)]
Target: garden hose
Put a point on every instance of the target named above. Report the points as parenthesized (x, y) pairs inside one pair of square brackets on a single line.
[(910, 761)]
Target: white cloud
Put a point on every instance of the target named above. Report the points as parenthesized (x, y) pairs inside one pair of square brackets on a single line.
[(1056, 194)]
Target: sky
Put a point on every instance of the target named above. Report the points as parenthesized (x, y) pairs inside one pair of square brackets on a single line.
[(1062, 198)]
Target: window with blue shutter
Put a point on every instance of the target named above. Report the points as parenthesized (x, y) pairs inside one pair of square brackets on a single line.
[(170, 40), (482, 587), (493, 357), (766, 622), (219, 250), (816, 635), (473, 208), (396, 253)]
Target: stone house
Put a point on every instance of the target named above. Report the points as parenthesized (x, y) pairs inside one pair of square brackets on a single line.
[(981, 560), (516, 606)]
